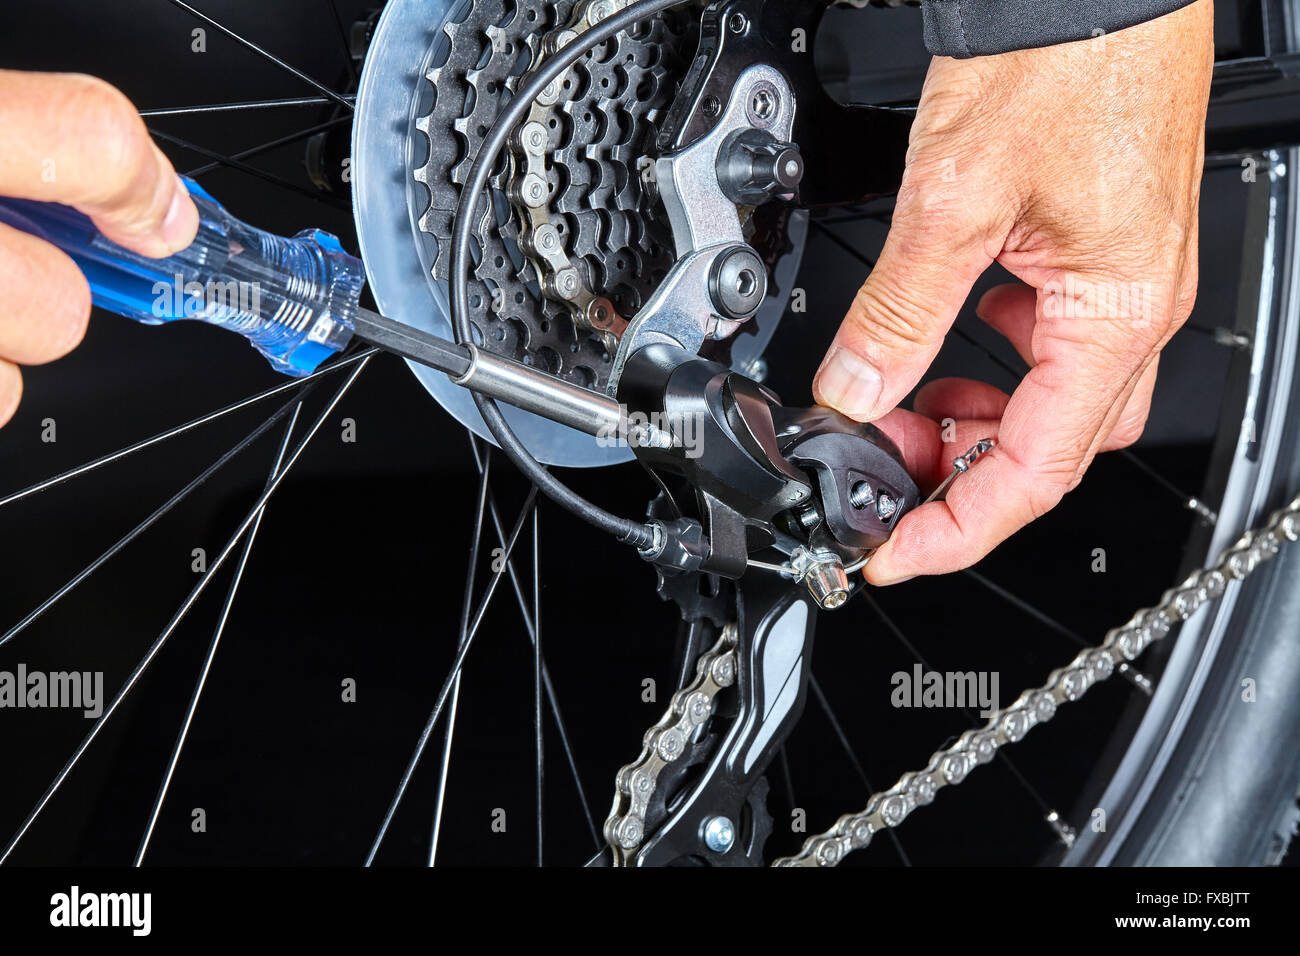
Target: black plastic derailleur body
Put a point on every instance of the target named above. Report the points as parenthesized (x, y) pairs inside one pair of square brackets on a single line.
[(760, 476)]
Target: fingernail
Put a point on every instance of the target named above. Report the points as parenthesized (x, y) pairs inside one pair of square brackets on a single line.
[(181, 223), (848, 384)]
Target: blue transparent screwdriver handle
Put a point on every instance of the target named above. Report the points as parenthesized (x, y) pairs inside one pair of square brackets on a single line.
[(294, 299)]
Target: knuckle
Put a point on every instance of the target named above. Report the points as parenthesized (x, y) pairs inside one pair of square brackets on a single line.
[(1126, 434), (1187, 291), (1129, 428), (1051, 474), (1112, 311), (891, 318), (114, 133)]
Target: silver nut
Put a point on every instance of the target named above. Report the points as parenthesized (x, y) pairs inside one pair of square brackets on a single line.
[(828, 583)]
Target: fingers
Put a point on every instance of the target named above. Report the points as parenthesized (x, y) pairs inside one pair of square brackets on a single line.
[(1049, 431), (76, 140), (11, 391), (1132, 421), (1011, 309), (941, 240), (44, 300), (928, 447), (960, 398)]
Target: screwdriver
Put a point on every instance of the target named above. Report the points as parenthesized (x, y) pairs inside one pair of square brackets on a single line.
[(297, 301)]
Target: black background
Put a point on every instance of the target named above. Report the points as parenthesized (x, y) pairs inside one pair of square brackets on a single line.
[(359, 566)]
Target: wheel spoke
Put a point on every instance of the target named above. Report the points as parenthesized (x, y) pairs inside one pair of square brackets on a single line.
[(853, 757), (181, 429), (843, 243), (343, 39), (273, 144), (1050, 816), (466, 604), (1203, 512), (212, 649), (788, 779), (262, 174), (1126, 670), (447, 685), (179, 616), (537, 676), (264, 54), (238, 107), (552, 700), (147, 523)]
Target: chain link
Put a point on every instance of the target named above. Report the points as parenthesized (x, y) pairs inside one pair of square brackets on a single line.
[(951, 766), (665, 743), (530, 189)]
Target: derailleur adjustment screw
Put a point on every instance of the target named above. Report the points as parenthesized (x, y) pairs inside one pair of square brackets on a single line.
[(861, 495), (809, 518), (738, 23), (719, 834), (754, 167), (885, 506)]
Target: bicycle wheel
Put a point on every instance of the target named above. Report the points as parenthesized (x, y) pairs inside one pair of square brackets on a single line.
[(1178, 760)]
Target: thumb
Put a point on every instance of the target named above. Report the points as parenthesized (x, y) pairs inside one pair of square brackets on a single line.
[(938, 245)]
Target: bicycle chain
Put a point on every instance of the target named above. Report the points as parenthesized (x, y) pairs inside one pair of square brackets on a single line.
[(595, 114), (1036, 706), (531, 188), (665, 743)]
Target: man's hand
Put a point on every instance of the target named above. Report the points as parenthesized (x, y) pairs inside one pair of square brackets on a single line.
[(1078, 168), (78, 141)]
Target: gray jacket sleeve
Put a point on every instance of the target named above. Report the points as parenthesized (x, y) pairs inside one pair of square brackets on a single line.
[(966, 28)]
